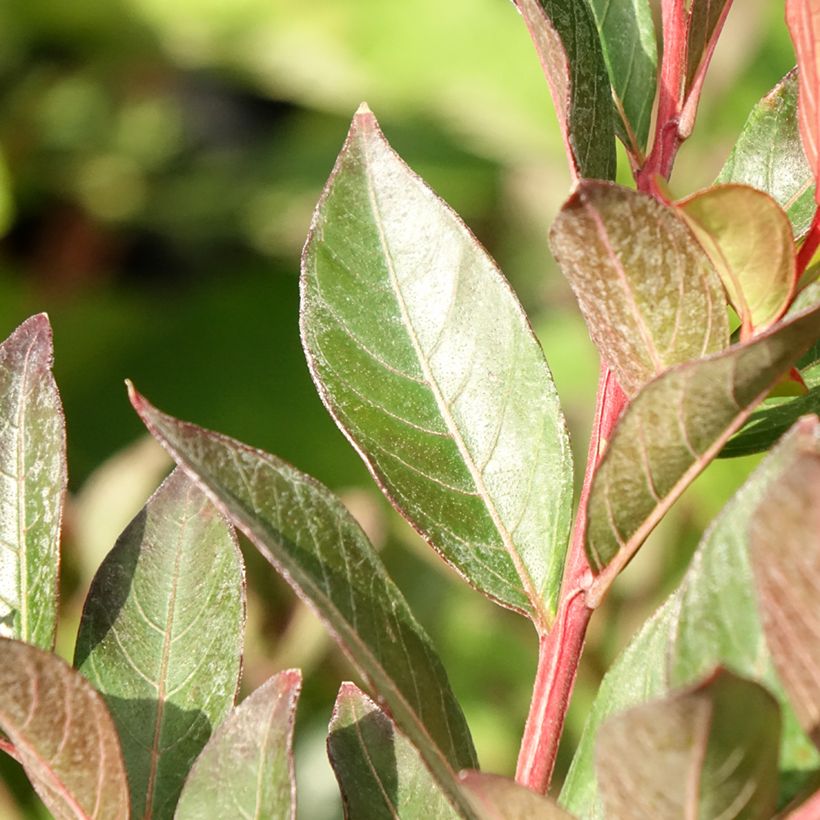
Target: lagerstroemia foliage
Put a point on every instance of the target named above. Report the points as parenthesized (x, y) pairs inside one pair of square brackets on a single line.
[(706, 314)]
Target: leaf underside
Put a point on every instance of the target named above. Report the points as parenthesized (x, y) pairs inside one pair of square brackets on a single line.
[(712, 619), (161, 637), (499, 798), (710, 751), (308, 535), (63, 734), (246, 769), (424, 357), (32, 485)]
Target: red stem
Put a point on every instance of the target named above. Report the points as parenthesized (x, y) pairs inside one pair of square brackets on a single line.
[(809, 247), (559, 651), (810, 810)]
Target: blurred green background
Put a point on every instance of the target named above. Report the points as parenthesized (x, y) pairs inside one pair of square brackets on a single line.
[(159, 163)]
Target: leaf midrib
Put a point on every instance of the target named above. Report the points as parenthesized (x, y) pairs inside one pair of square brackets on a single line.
[(540, 615)]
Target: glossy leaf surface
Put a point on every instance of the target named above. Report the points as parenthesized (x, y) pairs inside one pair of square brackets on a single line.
[(161, 637), (569, 49), (499, 798), (648, 292), (712, 619), (675, 426), (424, 357), (748, 237), (32, 485), (769, 155), (785, 550), (803, 18), (308, 535), (246, 769), (63, 735), (627, 34), (710, 751)]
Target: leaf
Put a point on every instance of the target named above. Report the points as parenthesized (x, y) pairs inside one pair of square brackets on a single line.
[(710, 620), (706, 18), (569, 49), (803, 19), (710, 751), (32, 485), (161, 637), (308, 535), (769, 155), (645, 286), (499, 798), (246, 769), (785, 554), (380, 773), (426, 360), (627, 34), (674, 428), (62, 734), (748, 238)]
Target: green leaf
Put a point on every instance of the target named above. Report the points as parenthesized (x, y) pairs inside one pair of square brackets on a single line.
[(380, 773), (627, 34), (426, 360), (706, 18), (648, 292), (499, 798), (161, 637), (710, 620), (674, 428), (32, 485), (246, 769), (568, 46), (62, 734), (308, 535), (769, 155), (709, 751), (785, 553), (748, 237)]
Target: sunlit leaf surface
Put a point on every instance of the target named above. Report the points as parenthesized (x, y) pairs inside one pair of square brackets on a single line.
[(32, 484), (63, 734), (499, 798), (246, 769), (423, 355), (308, 535), (161, 637)]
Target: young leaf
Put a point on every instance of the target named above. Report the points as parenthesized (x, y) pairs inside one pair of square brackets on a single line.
[(246, 769), (32, 485), (308, 535), (566, 39), (710, 620), (627, 34), (424, 357), (748, 237), (674, 428), (499, 798), (161, 637), (803, 18), (62, 734), (706, 19), (380, 773), (648, 292), (710, 751), (769, 155), (785, 552)]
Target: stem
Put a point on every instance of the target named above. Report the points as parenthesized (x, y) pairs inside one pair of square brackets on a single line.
[(559, 651), (808, 810), (809, 247)]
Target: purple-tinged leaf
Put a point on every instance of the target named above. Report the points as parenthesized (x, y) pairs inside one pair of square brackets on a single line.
[(706, 19), (648, 292), (569, 49), (673, 429), (308, 535), (32, 485), (425, 359), (161, 637), (246, 769), (499, 798), (62, 734), (710, 751), (711, 619), (785, 551)]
